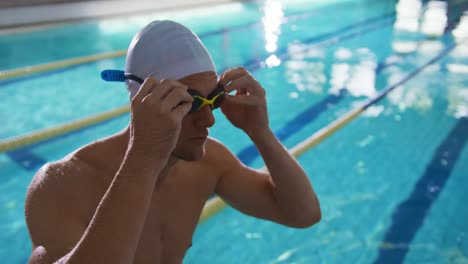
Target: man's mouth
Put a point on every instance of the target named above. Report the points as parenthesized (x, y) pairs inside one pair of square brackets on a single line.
[(200, 138)]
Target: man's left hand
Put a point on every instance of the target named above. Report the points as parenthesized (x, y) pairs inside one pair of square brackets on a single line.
[(246, 109)]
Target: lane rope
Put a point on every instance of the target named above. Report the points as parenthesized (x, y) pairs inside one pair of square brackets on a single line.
[(35, 137), (59, 64)]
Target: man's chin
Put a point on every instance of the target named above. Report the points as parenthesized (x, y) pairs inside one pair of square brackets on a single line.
[(190, 156)]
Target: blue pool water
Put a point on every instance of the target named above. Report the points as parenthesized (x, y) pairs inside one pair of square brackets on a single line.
[(392, 183)]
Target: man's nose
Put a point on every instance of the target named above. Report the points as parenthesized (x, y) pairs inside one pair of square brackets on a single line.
[(204, 117)]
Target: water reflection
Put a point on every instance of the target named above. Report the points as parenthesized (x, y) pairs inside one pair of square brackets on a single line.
[(406, 26), (272, 25), (457, 87), (435, 19), (407, 15), (362, 78), (414, 23), (273, 61), (339, 77), (460, 35), (458, 101), (305, 69), (355, 72), (414, 96), (461, 32), (430, 47), (426, 43)]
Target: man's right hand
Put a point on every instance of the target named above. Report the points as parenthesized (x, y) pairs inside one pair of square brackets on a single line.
[(157, 112), (114, 231)]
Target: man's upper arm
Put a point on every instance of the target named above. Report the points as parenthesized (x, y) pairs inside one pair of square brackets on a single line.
[(53, 229), (247, 190)]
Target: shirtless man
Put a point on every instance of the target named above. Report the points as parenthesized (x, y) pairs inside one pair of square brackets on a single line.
[(136, 196)]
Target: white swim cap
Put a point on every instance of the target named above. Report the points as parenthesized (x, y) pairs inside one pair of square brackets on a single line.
[(165, 50)]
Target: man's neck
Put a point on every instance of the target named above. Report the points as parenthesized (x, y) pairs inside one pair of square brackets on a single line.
[(166, 171), (124, 136)]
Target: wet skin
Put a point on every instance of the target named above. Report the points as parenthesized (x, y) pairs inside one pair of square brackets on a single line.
[(64, 195)]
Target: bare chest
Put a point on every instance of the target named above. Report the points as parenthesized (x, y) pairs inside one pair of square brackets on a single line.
[(172, 218)]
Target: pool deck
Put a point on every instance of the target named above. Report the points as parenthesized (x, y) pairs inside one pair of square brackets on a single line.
[(18, 18)]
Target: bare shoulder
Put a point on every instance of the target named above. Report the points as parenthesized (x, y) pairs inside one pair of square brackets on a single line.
[(221, 159), (49, 183), (58, 206), (53, 176), (217, 152), (59, 182)]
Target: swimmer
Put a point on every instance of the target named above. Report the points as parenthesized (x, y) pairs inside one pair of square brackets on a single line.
[(136, 196)]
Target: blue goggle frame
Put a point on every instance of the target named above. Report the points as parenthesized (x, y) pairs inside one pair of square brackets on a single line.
[(214, 99)]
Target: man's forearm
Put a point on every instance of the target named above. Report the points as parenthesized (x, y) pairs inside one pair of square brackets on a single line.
[(113, 233), (293, 190)]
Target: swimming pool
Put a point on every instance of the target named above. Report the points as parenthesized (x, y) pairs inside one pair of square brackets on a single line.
[(391, 183)]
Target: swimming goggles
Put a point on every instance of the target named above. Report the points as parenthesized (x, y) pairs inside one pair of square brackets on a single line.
[(214, 99)]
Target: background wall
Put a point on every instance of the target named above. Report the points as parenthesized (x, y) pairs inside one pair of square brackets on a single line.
[(22, 13), (17, 3)]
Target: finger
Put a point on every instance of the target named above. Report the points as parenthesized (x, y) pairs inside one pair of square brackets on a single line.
[(236, 85), (176, 97), (145, 89), (242, 91), (240, 100), (169, 85), (232, 74), (182, 109), (245, 85)]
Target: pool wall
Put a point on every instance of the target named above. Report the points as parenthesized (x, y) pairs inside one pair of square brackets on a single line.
[(56, 13)]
